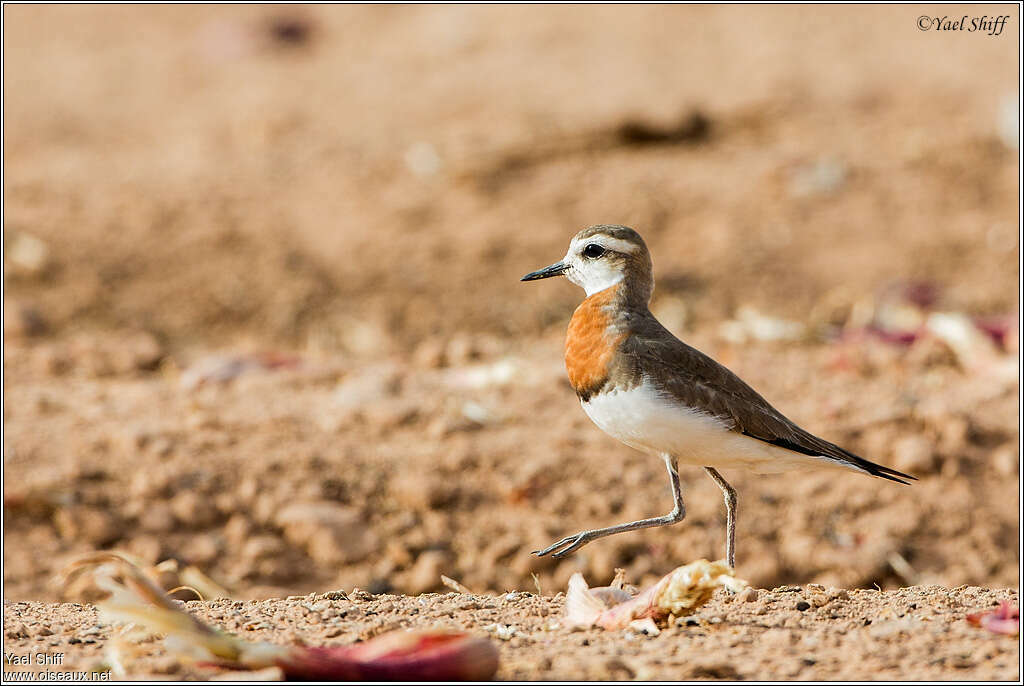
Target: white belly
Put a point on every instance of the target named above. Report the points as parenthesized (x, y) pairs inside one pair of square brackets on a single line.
[(644, 419)]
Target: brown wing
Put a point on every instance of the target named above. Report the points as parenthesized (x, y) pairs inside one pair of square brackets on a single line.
[(697, 381)]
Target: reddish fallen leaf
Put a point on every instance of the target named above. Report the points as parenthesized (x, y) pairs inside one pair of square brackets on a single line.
[(393, 656), (923, 294), (1003, 620), (396, 656), (997, 328), (895, 336), (222, 369)]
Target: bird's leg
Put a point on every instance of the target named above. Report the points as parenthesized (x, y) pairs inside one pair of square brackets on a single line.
[(577, 541), (729, 493)]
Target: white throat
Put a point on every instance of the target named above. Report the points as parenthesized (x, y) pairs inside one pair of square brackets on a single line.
[(592, 286), (593, 276)]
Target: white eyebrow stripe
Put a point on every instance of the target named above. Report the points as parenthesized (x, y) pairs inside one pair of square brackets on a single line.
[(617, 244)]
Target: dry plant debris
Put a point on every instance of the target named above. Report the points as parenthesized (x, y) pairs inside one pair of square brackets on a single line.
[(678, 593), (395, 655)]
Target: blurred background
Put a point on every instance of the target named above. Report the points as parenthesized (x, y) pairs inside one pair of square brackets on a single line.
[(262, 314)]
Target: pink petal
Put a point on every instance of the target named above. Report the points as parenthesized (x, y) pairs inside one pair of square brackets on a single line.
[(1004, 620)]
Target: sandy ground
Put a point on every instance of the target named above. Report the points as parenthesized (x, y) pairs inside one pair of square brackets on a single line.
[(914, 633), (261, 313)]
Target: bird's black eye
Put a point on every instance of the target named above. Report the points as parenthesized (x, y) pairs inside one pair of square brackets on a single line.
[(593, 251)]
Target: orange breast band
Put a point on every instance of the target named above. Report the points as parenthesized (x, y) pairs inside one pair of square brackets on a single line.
[(590, 343)]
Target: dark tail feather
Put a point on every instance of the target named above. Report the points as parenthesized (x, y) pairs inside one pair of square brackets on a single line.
[(878, 470), (872, 468), (823, 448)]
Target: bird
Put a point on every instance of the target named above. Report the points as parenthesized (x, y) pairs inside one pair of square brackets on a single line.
[(651, 391)]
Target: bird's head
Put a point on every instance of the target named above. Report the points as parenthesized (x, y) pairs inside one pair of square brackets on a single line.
[(602, 256)]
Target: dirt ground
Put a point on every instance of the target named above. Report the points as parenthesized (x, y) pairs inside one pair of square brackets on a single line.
[(914, 633), (262, 316)]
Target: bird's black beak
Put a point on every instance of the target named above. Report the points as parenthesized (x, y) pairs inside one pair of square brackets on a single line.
[(547, 272)]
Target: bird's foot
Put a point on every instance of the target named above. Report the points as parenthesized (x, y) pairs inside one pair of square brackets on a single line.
[(566, 546)]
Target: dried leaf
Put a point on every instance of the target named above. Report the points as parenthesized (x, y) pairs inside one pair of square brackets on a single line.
[(679, 593), (397, 655), (455, 585)]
